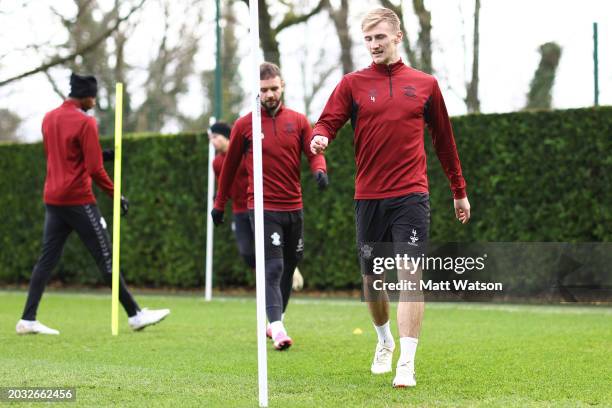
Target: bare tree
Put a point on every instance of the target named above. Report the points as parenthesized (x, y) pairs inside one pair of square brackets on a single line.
[(318, 79), (540, 92), (82, 50), (168, 73), (232, 91), (340, 19), (471, 100), (268, 33), (424, 41), (9, 122)]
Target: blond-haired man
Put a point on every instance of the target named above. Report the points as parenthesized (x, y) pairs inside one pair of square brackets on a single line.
[(389, 105)]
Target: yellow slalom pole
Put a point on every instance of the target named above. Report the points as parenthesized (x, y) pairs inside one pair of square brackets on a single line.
[(117, 208)]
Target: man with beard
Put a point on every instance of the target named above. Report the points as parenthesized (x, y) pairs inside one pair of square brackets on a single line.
[(286, 135), (219, 134), (74, 158)]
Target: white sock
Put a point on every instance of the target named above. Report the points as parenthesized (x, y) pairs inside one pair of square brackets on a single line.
[(408, 346), (283, 317), (384, 335), (277, 327)]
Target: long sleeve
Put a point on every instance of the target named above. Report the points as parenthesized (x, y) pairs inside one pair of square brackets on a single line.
[(336, 112), (316, 161), (92, 157), (441, 132), (230, 167)]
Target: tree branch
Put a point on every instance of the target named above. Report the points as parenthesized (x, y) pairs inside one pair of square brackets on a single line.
[(292, 19), (79, 51), (54, 85)]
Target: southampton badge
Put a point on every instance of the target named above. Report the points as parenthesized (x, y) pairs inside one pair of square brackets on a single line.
[(414, 238), (366, 251)]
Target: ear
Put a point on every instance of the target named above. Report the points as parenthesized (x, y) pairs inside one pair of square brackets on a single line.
[(398, 37)]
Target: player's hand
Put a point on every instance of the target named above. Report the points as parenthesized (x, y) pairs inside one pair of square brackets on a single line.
[(125, 206), (318, 144), (462, 210), (217, 217), (108, 155), (322, 179)]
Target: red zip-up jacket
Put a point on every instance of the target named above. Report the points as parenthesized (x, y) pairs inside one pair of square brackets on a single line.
[(238, 192), (74, 156), (286, 135), (389, 106)]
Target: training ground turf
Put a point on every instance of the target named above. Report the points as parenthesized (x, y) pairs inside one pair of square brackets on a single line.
[(204, 354)]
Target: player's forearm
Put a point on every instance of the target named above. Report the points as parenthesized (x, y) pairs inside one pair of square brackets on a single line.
[(101, 178), (317, 163)]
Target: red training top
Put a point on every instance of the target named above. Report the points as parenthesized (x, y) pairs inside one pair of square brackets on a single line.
[(73, 155), (389, 106), (286, 135), (238, 192)]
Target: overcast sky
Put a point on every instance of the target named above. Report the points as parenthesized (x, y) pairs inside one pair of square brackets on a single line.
[(510, 32)]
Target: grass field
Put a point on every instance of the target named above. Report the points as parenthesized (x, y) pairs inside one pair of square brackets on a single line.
[(204, 355)]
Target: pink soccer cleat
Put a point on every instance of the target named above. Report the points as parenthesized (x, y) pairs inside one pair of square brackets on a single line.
[(282, 341)]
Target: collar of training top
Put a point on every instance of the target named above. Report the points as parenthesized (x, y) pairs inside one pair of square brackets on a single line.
[(384, 68), (72, 103)]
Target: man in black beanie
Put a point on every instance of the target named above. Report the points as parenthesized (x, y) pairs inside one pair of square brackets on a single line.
[(74, 159)]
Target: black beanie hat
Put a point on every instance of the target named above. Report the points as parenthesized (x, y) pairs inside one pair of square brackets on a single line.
[(83, 86), (221, 128)]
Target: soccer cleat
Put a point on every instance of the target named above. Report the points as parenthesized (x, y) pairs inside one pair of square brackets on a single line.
[(282, 341), (33, 327), (269, 332), (404, 376), (146, 317), (383, 359)]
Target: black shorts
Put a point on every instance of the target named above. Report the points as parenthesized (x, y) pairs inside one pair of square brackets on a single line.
[(283, 234), (244, 234), (401, 221)]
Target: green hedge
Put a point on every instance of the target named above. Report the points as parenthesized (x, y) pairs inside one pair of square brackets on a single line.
[(535, 176)]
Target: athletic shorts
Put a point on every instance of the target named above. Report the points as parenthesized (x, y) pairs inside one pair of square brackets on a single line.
[(283, 233), (244, 234), (401, 222)]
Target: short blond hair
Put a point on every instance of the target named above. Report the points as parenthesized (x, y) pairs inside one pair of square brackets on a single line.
[(377, 16)]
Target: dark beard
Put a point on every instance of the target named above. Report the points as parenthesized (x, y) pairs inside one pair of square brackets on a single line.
[(271, 107)]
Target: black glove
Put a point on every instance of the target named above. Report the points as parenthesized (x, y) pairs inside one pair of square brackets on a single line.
[(217, 217), (322, 180), (125, 205), (108, 155)]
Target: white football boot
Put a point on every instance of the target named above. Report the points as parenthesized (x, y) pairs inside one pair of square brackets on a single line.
[(383, 357), (33, 327), (146, 317), (404, 376)]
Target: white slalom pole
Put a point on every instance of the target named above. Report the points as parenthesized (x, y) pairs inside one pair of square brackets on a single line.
[(209, 223), (260, 263)]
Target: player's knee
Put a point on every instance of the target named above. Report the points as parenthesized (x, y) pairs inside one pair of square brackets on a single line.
[(274, 270)]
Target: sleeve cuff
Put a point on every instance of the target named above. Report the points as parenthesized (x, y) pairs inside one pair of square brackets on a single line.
[(459, 193)]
